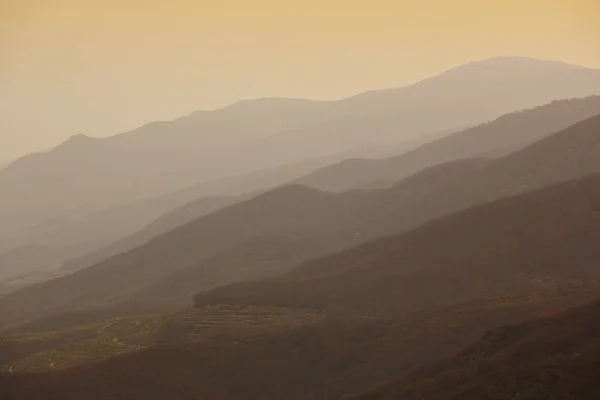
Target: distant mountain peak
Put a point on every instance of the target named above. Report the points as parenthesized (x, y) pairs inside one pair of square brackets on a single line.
[(266, 103), (521, 62), (79, 138), (76, 142)]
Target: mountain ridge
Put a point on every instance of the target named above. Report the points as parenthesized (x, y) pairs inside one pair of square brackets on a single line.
[(515, 130), (164, 157)]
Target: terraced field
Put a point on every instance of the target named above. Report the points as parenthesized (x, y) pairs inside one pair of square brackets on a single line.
[(45, 351), (234, 321), (28, 352)]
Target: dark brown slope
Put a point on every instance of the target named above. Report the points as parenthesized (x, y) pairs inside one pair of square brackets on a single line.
[(502, 136), (554, 357), (492, 250), (324, 360)]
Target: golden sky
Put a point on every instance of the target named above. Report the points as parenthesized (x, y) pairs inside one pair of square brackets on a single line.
[(103, 66)]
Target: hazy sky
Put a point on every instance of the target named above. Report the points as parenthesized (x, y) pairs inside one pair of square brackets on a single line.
[(100, 67)]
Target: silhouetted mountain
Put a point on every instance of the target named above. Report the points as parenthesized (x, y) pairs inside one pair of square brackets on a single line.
[(85, 175), (502, 136)]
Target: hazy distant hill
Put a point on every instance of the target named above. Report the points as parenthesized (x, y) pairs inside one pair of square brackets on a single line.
[(17, 266), (302, 223), (502, 136), (80, 242), (84, 241), (84, 175)]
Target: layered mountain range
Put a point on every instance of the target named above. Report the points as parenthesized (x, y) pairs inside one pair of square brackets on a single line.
[(437, 241)]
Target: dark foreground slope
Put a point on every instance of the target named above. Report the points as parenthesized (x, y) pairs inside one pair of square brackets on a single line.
[(494, 264), (554, 357), (252, 352)]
